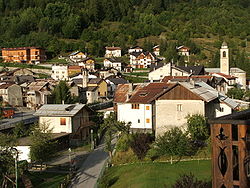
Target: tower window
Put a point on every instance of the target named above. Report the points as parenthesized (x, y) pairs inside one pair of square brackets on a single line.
[(224, 54)]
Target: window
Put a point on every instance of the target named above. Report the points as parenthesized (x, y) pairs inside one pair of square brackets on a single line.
[(62, 121), (147, 120), (139, 121), (224, 54), (135, 106), (179, 107), (147, 107), (221, 109)]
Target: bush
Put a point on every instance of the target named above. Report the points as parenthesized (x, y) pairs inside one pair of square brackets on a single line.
[(188, 180), (141, 144), (124, 157), (123, 143)]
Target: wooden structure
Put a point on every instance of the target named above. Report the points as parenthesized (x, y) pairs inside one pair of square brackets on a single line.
[(230, 139)]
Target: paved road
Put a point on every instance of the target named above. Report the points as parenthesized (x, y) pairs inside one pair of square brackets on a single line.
[(88, 173)]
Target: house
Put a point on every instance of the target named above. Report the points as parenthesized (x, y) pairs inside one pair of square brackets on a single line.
[(156, 50), (38, 94), (24, 55), (113, 52), (74, 70), (101, 84), (59, 72), (108, 71), (156, 107), (112, 62), (113, 83), (183, 50), (142, 59), (230, 150), (77, 56), (135, 49), (66, 118), (159, 70), (92, 94), (11, 94), (87, 63)]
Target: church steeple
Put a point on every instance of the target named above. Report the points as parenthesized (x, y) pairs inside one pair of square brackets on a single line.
[(85, 78), (224, 59)]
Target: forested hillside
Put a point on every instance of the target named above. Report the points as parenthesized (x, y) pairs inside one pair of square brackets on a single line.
[(66, 25)]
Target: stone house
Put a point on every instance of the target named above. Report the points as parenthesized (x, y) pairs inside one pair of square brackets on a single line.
[(11, 94)]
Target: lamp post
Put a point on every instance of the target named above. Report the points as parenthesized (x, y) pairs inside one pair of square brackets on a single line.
[(92, 140), (70, 160), (16, 165)]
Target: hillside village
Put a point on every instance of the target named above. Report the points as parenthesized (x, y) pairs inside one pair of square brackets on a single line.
[(140, 87)]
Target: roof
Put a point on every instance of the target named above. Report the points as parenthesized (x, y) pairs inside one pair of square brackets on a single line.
[(22, 48), (224, 43), (113, 60), (74, 53), (225, 75), (92, 88), (37, 85), (95, 80), (136, 54), (195, 70), (112, 48), (148, 93), (74, 67), (121, 92), (157, 46), (240, 118), (117, 81), (155, 66), (204, 78), (135, 47), (5, 86), (180, 47), (236, 70), (57, 110)]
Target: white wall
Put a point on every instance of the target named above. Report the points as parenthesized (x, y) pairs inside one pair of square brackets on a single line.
[(60, 72), (222, 109), (54, 124), (127, 114), (160, 73), (23, 153), (167, 115)]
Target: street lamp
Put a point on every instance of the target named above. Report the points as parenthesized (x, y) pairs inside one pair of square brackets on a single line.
[(70, 160), (16, 165)]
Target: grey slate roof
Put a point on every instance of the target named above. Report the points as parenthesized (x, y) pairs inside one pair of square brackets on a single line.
[(195, 70), (117, 81), (57, 110)]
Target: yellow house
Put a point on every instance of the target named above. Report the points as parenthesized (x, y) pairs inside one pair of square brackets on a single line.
[(102, 86)]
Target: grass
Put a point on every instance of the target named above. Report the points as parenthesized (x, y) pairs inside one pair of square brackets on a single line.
[(46, 179), (137, 73), (20, 65), (57, 61), (135, 79), (154, 175)]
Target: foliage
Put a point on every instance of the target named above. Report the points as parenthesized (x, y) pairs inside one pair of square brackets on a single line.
[(174, 142), (42, 148), (124, 157), (111, 126), (6, 162), (123, 143), (235, 93), (188, 180), (21, 130), (197, 127), (62, 93), (140, 144)]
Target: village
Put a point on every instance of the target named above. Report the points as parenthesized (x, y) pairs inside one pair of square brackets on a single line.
[(138, 89)]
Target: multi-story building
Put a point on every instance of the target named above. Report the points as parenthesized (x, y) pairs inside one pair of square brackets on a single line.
[(113, 52), (24, 55)]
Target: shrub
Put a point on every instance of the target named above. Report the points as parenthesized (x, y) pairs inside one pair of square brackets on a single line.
[(188, 180), (124, 157), (123, 143), (141, 144)]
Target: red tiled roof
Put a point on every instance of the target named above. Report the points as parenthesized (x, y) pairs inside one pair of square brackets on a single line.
[(121, 93), (113, 48), (5, 86), (225, 75), (22, 48), (148, 93), (74, 67)]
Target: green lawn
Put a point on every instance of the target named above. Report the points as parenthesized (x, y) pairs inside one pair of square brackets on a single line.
[(154, 175), (46, 179), (135, 79)]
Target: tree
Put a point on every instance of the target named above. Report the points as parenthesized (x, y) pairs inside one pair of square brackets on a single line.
[(111, 126), (42, 148), (174, 142), (197, 127), (235, 93), (62, 94), (140, 144)]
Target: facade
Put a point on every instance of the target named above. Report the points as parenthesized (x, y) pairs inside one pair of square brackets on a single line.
[(135, 49), (24, 55), (60, 72), (77, 56), (101, 84), (87, 63), (142, 59), (156, 50), (11, 94), (111, 62), (183, 50), (113, 52), (230, 150), (71, 118)]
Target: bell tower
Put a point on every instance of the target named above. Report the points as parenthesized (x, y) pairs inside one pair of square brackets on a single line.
[(85, 78), (224, 59)]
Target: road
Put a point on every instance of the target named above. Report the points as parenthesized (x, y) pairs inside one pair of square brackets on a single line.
[(26, 117), (90, 170)]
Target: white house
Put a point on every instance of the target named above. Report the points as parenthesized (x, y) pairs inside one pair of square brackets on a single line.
[(77, 56), (113, 52), (183, 50), (156, 50), (142, 59), (66, 118), (60, 72), (135, 49), (111, 62)]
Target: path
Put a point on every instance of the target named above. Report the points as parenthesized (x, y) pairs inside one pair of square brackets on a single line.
[(88, 173)]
